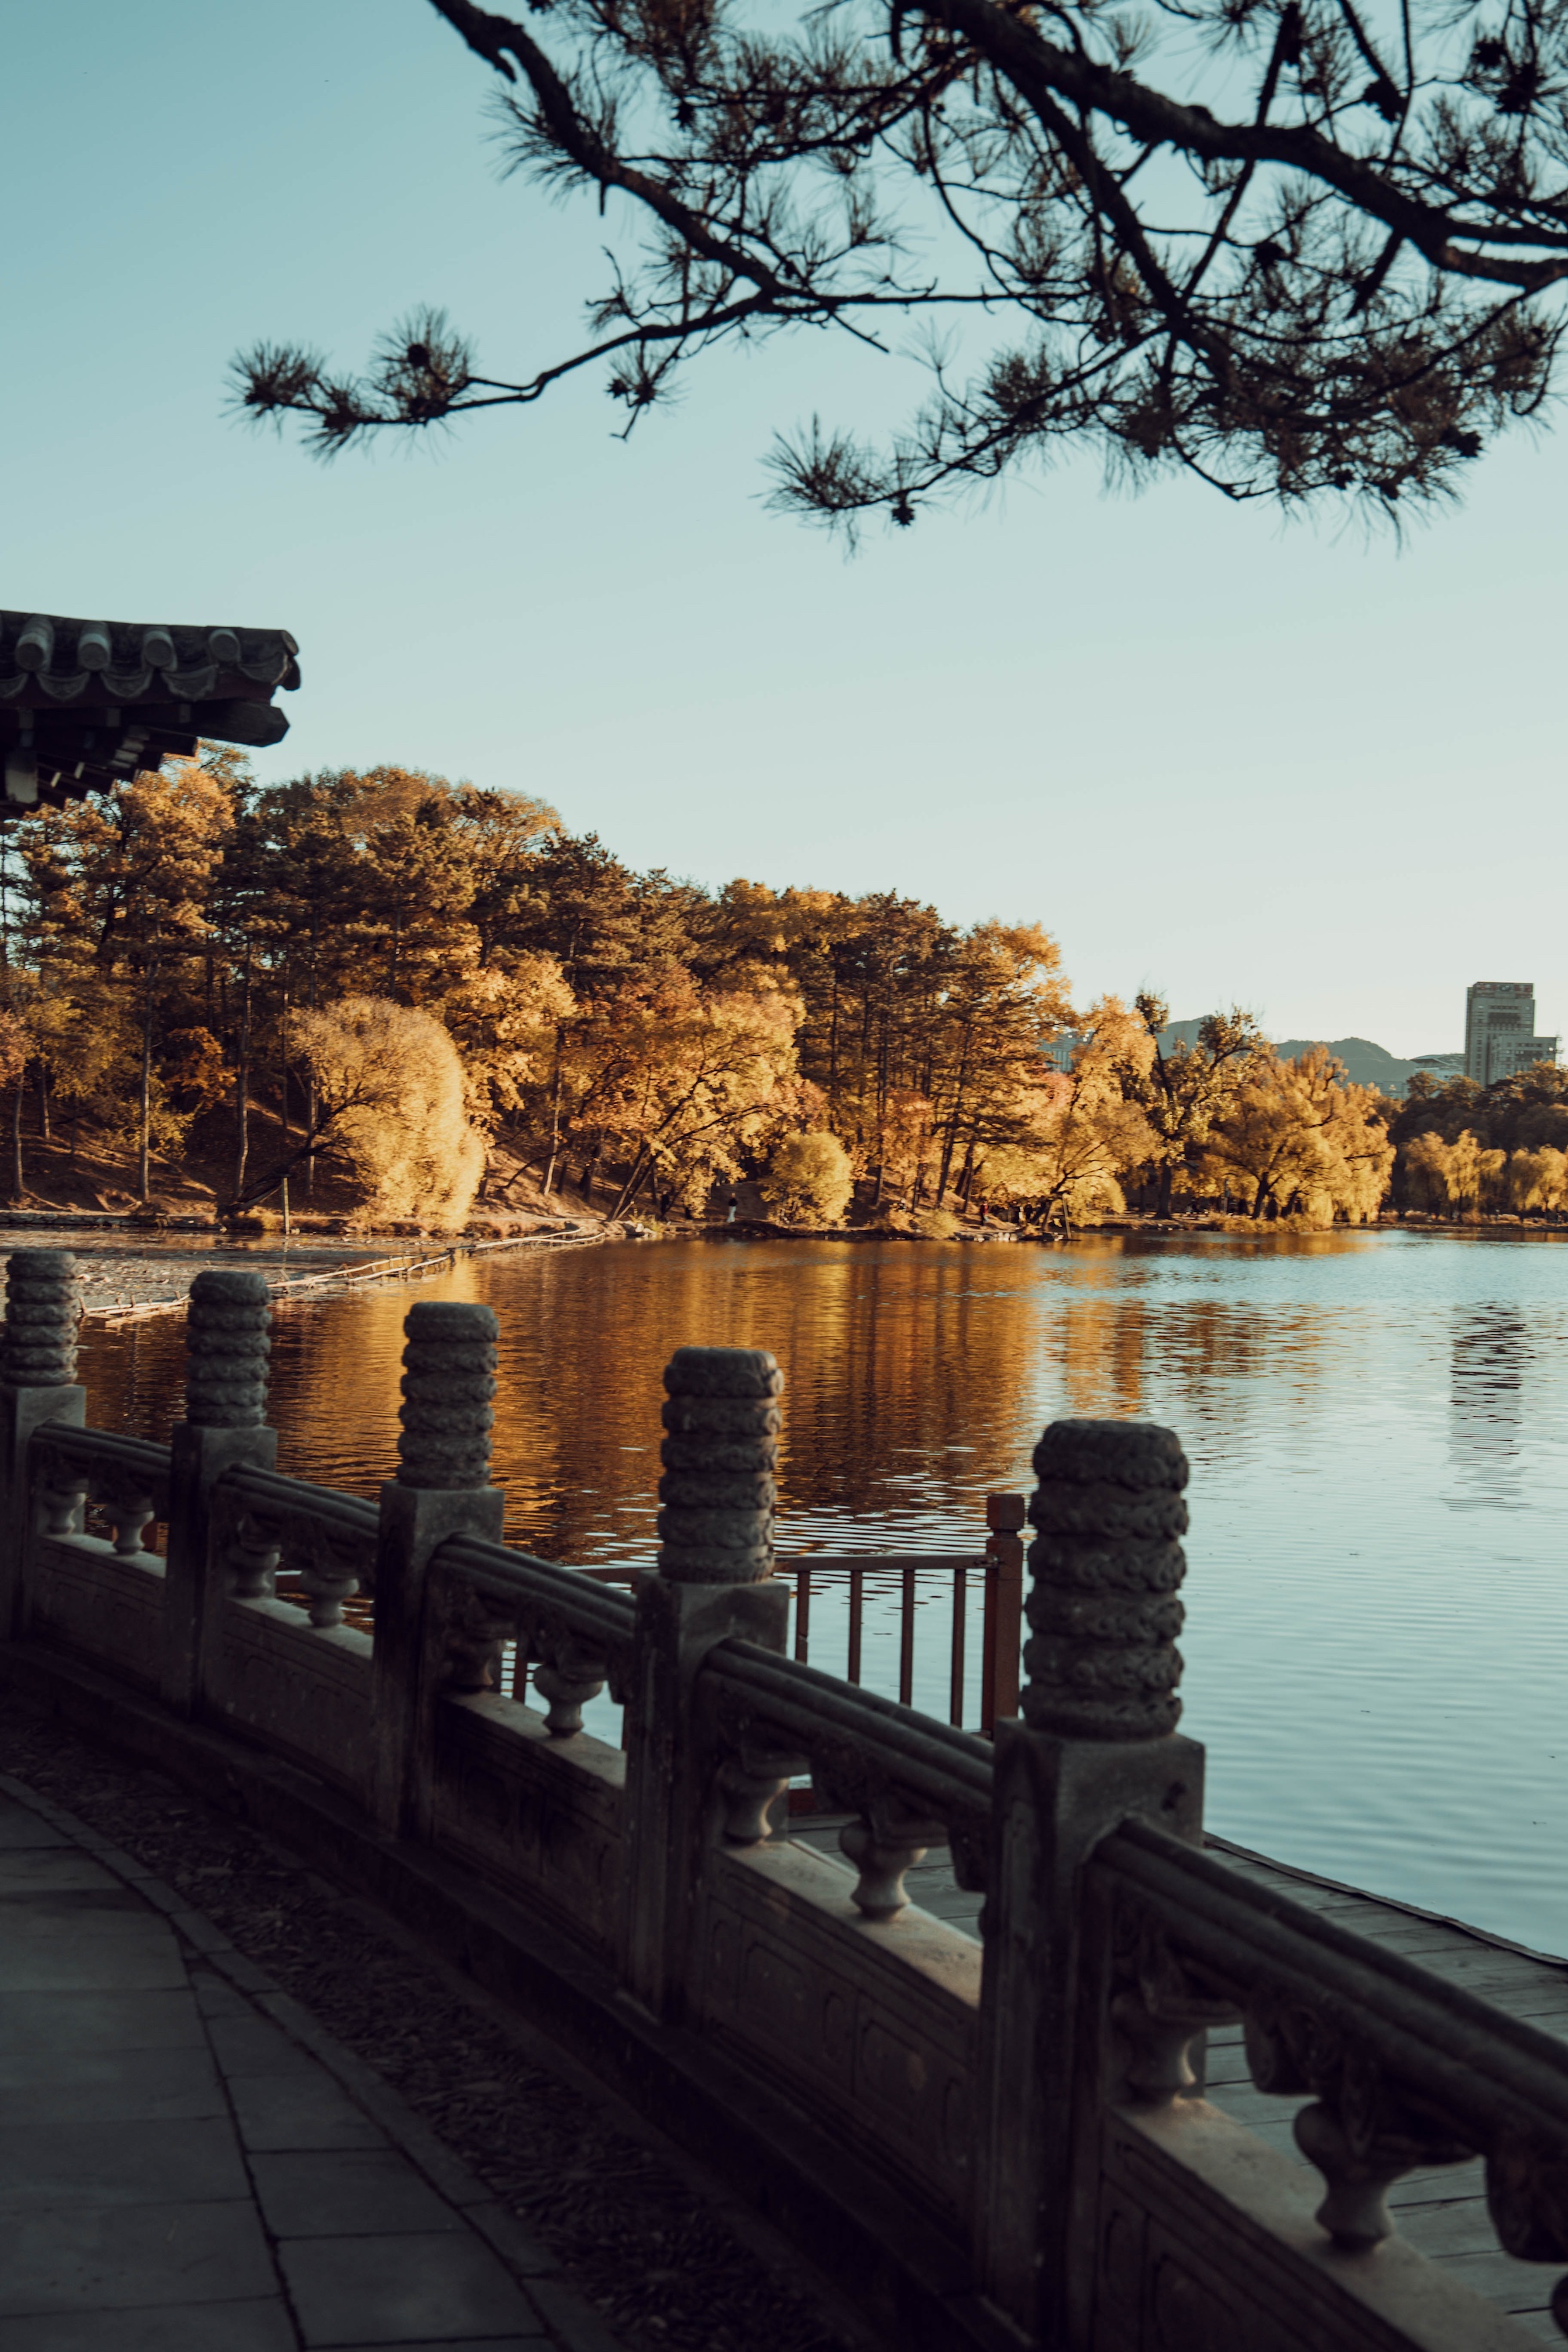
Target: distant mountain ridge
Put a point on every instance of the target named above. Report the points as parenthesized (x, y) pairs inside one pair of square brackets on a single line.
[(1366, 1065)]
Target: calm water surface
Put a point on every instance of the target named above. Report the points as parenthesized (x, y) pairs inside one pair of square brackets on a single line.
[(1376, 1648)]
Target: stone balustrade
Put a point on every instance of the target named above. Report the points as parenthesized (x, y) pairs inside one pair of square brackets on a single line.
[(988, 2141)]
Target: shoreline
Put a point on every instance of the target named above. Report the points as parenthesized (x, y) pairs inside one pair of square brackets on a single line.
[(123, 1283), (154, 1277)]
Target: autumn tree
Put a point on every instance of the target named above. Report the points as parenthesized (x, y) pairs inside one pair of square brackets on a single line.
[(1003, 999), (810, 1179), (1183, 1088), (118, 888), (14, 1059), (678, 1082), (1086, 1134), (1303, 253), (1463, 1175), (1296, 1139), (390, 1089), (1537, 1180)]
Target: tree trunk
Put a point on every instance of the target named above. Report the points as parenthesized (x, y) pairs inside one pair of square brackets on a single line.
[(242, 1090), (632, 1184), (311, 1104), (961, 1082), (18, 1181), (283, 1060), (1162, 1191), (555, 1123), (143, 1154), (44, 1105)]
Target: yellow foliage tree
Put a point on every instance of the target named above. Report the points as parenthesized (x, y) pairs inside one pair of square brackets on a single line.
[(1302, 1141), (1084, 1135), (1538, 1179), (809, 1179), (680, 1080), (389, 1084), (503, 1020), (1463, 1175)]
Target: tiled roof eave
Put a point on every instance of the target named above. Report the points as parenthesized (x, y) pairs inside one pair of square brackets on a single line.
[(51, 689), (85, 705), (47, 658)]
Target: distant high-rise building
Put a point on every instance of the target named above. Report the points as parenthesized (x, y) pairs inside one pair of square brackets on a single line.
[(1500, 1031)]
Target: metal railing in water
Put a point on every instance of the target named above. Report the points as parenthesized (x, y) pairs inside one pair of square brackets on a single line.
[(996, 1571)]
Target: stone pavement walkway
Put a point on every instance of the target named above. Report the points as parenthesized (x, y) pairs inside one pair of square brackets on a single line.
[(188, 2163)]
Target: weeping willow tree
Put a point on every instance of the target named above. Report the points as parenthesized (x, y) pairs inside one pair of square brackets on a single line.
[(1308, 250)]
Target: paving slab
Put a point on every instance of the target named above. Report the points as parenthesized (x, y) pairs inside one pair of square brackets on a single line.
[(103, 2018), (422, 2288), (325, 2193), (48, 1869), (20, 1826), (251, 2045), (298, 2110), (258, 2327), (137, 2163), (131, 1955), (130, 2257), (104, 2086)]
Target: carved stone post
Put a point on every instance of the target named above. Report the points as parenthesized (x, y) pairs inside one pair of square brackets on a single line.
[(37, 1383), (228, 1338), (442, 1488), (721, 1425), (1097, 1745)]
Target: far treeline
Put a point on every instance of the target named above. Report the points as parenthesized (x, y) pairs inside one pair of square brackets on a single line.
[(384, 986)]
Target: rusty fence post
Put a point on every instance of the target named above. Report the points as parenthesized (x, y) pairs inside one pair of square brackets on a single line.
[(442, 1488), (1003, 1634), (1097, 1745), (228, 1340), (714, 1579), (37, 1383)]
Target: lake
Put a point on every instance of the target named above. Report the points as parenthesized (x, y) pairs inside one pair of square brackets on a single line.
[(1377, 1641)]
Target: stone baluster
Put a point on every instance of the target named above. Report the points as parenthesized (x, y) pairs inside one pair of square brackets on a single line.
[(1361, 2135), (59, 1496), (1097, 1745), (442, 1488), (566, 1682), (254, 1549), (128, 1507), (228, 1341), (327, 1581), (884, 1843), (714, 1580), (38, 1384)]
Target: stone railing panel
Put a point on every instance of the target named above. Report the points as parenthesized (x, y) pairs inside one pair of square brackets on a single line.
[(868, 2022), (533, 1802), (93, 1580), (910, 1782), (1402, 2070), (290, 1675), (827, 1979)]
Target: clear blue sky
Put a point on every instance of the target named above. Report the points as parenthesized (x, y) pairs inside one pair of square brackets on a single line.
[(1226, 758)]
